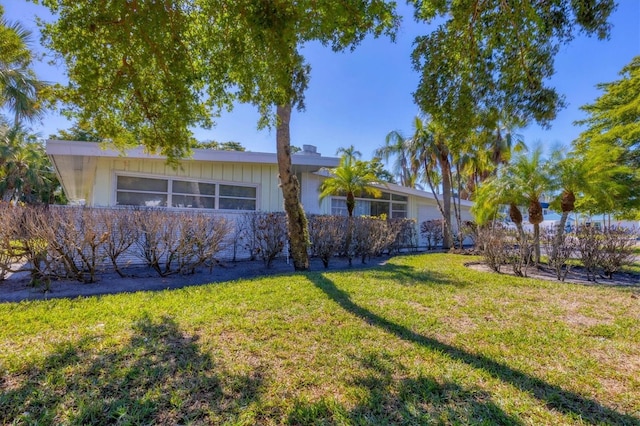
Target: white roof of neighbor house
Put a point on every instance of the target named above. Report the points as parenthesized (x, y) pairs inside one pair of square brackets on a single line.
[(308, 157), (404, 190), (75, 161)]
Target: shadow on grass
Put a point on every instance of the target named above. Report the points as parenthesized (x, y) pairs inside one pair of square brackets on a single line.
[(401, 274), (552, 396), (159, 377), (387, 400)]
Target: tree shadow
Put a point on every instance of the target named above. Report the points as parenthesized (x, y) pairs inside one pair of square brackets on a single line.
[(554, 397), (409, 401), (159, 377), (409, 275)]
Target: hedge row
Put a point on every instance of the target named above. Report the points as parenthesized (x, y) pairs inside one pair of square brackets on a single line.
[(79, 243)]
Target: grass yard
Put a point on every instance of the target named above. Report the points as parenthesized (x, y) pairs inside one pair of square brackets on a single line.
[(422, 340)]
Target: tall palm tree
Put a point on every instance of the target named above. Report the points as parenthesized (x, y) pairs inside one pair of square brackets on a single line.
[(433, 150), (351, 179), (350, 154), (406, 165)]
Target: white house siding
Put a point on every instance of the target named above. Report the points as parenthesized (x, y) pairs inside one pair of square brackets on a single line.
[(310, 193), (264, 176)]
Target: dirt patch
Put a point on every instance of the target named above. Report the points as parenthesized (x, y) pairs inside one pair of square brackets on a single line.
[(16, 287), (577, 275)]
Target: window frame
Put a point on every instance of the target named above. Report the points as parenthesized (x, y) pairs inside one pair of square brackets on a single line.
[(170, 193), (387, 197)]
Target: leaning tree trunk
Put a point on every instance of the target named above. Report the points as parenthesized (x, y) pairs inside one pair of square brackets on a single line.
[(535, 218), (445, 166), (296, 219), (567, 204)]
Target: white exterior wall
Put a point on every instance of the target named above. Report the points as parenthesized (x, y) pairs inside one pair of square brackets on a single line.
[(310, 195), (264, 176)]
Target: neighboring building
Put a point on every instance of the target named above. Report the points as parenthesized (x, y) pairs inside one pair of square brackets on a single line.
[(228, 182)]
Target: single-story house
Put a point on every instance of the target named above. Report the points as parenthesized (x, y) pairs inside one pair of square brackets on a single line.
[(228, 182)]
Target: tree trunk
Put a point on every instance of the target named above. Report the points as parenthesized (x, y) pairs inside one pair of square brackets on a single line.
[(351, 203), (296, 219), (536, 243), (445, 166), (559, 235), (516, 217)]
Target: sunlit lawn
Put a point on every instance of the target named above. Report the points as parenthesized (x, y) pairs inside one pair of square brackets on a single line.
[(421, 340)]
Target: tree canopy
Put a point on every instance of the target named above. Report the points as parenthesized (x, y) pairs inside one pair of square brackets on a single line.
[(486, 60), (612, 138), (147, 72)]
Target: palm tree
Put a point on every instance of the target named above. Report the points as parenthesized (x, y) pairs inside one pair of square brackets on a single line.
[(350, 154), (529, 177), (406, 165), (351, 179), (25, 171), (19, 87)]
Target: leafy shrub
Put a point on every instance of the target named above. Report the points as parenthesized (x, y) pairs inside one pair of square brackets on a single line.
[(11, 247)]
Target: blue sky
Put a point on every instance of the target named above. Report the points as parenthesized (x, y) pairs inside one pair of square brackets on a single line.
[(356, 98)]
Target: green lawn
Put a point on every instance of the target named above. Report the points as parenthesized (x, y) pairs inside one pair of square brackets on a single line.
[(421, 340)]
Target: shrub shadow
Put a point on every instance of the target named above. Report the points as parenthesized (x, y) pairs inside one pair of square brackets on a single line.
[(159, 377), (554, 397)]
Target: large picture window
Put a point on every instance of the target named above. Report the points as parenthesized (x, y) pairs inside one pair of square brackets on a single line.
[(391, 205), (179, 193)]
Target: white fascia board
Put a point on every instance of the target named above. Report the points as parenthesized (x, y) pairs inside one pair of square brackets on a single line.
[(94, 149)]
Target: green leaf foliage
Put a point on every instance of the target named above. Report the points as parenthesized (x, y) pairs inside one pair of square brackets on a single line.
[(612, 139), (487, 59), (147, 72)]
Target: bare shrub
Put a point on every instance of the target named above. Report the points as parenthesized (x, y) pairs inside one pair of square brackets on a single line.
[(617, 250), (371, 236), (326, 234), (559, 252), (247, 233), (201, 237), (405, 236), (501, 246), (271, 234), (519, 252), (431, 230), (75, 242), (158, 242), (122, 233), (589, 247), (492, 242)]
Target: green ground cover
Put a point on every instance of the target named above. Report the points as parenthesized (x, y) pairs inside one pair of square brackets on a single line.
[(421, 340)]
